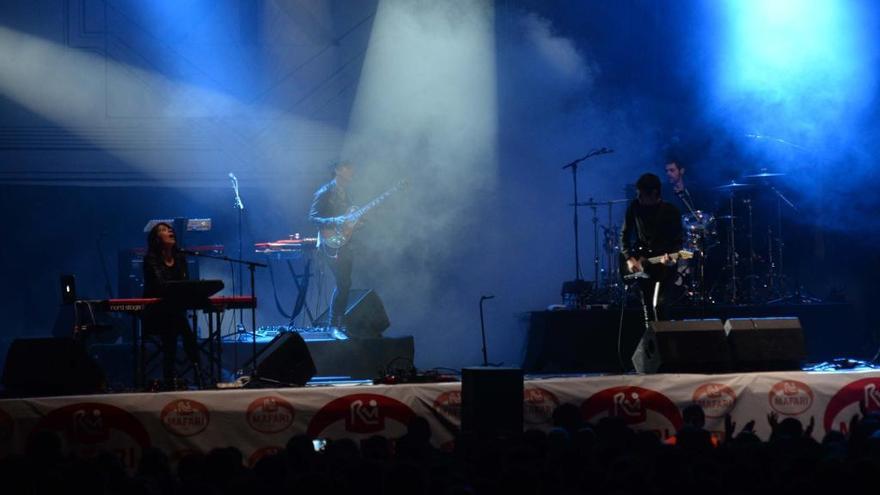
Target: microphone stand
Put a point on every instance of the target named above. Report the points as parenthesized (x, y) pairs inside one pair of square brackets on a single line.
[(483, 330), (252, 266), (238, 205), (574, 168)]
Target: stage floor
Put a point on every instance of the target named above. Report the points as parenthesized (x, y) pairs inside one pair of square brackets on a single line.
[(260, 421)]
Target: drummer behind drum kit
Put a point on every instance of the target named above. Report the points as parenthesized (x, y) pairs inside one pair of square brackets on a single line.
[(730, 263)]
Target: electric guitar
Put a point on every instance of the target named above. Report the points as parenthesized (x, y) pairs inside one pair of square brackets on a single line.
[(336, 236), (680, 255)]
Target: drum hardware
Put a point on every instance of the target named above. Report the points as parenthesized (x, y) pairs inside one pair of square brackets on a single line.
[(611, 248), (798, 296), (698, 226), (606, 279), (752, 255), (764, 175), (731, 241), (733, 186), (595, 207)]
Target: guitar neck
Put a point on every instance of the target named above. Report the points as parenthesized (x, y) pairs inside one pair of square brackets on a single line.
[(657, 259), (363, 209)]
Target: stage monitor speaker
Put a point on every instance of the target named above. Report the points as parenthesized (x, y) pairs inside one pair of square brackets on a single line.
[(285, 360), (491, 401), (683, 346), (365, 315), (50, 366), (766, 344)]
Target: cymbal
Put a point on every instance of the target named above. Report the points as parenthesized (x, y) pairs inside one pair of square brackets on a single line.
[(734, 185), (727, 217), (764, 175)]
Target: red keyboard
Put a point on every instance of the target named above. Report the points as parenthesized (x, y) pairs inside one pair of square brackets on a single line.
[(136, 305), (286, 245)]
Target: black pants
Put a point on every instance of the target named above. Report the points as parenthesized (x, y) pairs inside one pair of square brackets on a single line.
[(661, 282), (340, 265), (168, 324)]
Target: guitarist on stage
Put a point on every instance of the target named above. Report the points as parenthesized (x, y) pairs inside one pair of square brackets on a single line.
[(330, 206), (652, 227)]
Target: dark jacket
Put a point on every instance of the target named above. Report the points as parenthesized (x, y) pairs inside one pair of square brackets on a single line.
[(329, 204), (651, 230), (156, 273), (163, 317)]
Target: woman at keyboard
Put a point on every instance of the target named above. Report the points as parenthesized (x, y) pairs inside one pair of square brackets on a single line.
[(163, 263)]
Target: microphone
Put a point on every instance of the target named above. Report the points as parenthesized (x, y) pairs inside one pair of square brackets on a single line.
[(606, 150), (483, 298), (238, 203)]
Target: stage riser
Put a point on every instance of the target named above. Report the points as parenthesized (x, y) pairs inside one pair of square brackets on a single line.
[(355, 358), (587, 341)]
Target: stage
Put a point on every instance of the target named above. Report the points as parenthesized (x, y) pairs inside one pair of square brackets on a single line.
[(353, 358), (260, 421), (587, 340)]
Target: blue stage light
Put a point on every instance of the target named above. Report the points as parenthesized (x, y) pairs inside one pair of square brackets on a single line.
[(802, 71)]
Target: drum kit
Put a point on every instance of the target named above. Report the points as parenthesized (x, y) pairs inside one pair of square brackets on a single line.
[(738, 246)]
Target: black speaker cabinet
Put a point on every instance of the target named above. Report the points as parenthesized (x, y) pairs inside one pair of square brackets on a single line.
[(766, 344), (364, 317), (50, 366), (285, 360), (491, 401), (685, 346)]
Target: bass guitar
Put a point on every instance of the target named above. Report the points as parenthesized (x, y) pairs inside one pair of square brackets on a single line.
[(336, 236)]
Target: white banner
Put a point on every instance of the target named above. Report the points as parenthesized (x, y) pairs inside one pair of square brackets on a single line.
[(261, 421)]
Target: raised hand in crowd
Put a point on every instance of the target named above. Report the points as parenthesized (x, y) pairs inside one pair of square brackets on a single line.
[(808, 431), (730, 427), (773, 420)]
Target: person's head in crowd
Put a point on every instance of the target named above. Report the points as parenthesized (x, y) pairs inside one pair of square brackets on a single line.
[(567, 416), (376, 448), (693, 415), (419, 430)]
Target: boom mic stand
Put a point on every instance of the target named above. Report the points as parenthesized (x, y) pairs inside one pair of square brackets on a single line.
[(483, 329), (798, 296), (578, 281), (238, 205), (252, 266)]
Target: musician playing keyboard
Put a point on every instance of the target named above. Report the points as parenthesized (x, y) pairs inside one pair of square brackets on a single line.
[(652, 227), (165, 263)]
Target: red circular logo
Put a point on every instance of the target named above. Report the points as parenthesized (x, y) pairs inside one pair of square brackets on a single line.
[(845, 403), (639, 407), (538, 405), (90, 427), (185, 417), (790, 397), (716, 399), (449, 403), (361, 413), (270, 414)]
